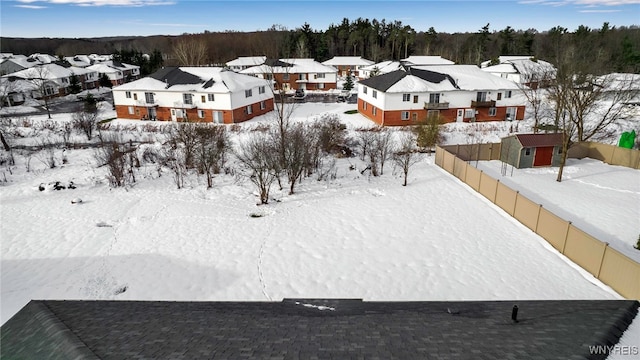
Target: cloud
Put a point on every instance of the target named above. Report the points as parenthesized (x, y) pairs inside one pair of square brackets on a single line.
[(123, 3), (30, 6), (599, 11)]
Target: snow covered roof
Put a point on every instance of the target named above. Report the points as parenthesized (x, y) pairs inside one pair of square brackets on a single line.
[(507, 68), (120, 66), (470, 77), (247, 61), (347, 60), (78, 60), (507, 58), (45, 71), (44, 58), (620, 81), (292, 66), (23, 61), (415, 80), (198, 79), (103, 69), (384, 67), (427, 60)]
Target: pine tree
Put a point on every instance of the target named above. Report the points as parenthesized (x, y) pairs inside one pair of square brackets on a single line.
[(74, 84), (348, 85)]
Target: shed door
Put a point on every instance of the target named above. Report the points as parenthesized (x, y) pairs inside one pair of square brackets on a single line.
[(543, 156)]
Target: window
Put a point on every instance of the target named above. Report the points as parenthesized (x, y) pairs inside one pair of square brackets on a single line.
[(148, 98), (374, 93), (127, 94), (492, 111), (321, 86), (302, 77), (508, 94), (527, 151), (364, 89), (131, 111), (559, 149), (248, 93), (433, 114), (481, 96), (261, 90), (511, 113), (211, 97), (434, 98), (262, 105), (406, 97), (187, 99), (201, 113), (321, 76), (217, 117), (135, 96), (499, 96), (404, 115), (468, 113), (364, 106), (249, 110), (268, 76), (374, 111), (285, 76), (203, 98), (415, 99)]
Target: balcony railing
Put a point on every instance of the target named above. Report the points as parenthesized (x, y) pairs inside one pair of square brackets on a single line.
[(436, 106), (147, 104), (483, 104), (183, 105)]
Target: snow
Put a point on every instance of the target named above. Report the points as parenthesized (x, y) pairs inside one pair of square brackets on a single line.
[(353, 236)]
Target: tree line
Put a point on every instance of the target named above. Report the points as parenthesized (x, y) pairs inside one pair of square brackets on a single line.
[(606, 49)]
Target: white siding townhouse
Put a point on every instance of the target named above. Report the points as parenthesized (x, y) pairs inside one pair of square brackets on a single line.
[(203, 94), (525, 70), (54, 79), (118, 73), (348, 65), (293, 74), (454, 93), (245, 62)]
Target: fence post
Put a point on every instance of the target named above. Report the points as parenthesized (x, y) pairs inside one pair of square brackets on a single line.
[(606, 246), (538, 218), (566, 236), (495, 193)]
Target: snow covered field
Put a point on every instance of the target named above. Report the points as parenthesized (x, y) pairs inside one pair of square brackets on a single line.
[(354, 236)]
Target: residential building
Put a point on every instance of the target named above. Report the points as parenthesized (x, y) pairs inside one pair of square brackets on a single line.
[(13, 63), (416, 60), (245, 62), (202, 94), (453, 93), (380, 68), (54, 79), (294, 74), (525, 70), (348, 65)]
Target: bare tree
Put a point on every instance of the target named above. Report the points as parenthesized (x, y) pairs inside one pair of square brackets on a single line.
[(38, 77), (383, 146), (428, 133), (85, 122), (405, 155), (191, 51), (259, 157), (213, 144), (111, 154)]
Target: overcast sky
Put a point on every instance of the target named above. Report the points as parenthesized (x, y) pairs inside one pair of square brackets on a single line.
[(97, 18)]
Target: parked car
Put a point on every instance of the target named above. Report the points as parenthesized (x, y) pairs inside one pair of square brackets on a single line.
[(300, 94)]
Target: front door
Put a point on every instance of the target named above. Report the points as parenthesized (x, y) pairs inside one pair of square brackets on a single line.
[(460, 115), (543, 156), (173, 115)]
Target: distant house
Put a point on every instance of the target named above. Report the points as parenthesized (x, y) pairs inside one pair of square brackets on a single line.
[(294, 74), (245, 62), (525, 70), (348, 65), (426, 60), (453, 93), (203, 94), (55, 79), (13, 63), (531, 150)]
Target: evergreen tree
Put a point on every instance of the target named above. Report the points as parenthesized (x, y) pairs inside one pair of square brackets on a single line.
[(348, 85), (104, 81), (74, 84)]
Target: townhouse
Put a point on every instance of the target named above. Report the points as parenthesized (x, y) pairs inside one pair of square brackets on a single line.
[(245, 62), (348, 65), (294, 74), (202, 94), (524, 70), (453, 93), (53, 80)]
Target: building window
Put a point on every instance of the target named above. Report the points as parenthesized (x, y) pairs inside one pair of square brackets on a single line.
[(261, 90), (321, 86), (210, 97), (468, 113), (404, 115), (527, 151), (434, 98), (508, 94), (127, 94), (218, 117), (285, 76), (374, 93), (364, 89), (249, 110), (268, 76), (492, 111), (248, 93), (433, 114), (187, 98), (201, 113), (374, 111), (203, 99), (499, 96), (262, 105), (406, 97), (364, 106), (481, 96), (131, 110), (320, 75), (135, 96), (414, 117), (511, 113), (148, 98), (415, 99), (559, 149)]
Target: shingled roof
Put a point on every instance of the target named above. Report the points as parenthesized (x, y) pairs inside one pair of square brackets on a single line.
[(385, 81), (302, 328), (536, 140), (175, 76)]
